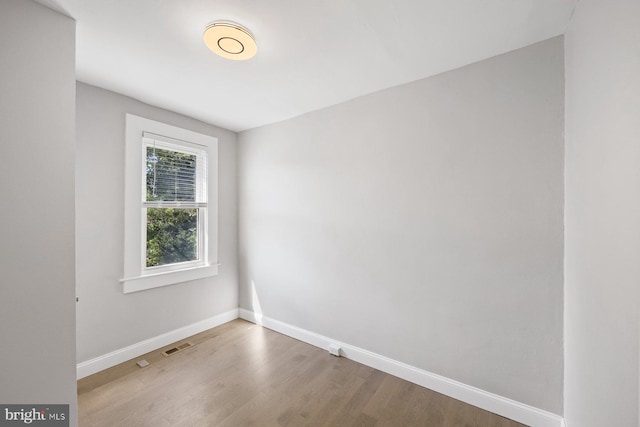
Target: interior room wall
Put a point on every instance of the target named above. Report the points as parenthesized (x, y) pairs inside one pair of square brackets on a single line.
[(37, 258), (602, 240), (108, 319), (423, 223)]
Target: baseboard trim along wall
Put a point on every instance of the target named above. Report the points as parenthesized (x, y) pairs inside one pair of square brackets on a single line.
[(503, 406), (108, 360)]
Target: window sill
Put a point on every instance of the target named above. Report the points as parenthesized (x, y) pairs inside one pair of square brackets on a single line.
[(150, 281)]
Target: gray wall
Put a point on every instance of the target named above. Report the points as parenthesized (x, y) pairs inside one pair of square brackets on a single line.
[(37, 259), (602, 240), (107, 319), (423, 223)]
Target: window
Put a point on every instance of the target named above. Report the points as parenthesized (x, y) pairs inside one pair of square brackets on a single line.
[(175, 202), (170, 205)]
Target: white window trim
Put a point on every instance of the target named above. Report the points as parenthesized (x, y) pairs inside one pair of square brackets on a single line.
[(136, 276), (188, 148)]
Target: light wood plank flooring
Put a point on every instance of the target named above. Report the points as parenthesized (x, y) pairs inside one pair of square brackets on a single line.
[(240, 374)]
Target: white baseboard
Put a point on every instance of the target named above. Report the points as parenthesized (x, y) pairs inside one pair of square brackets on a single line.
[(503, 406), (108, 360)]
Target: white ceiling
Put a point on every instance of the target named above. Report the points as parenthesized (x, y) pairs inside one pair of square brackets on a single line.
[(311, 53)]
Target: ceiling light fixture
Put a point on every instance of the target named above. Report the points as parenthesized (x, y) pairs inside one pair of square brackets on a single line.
[(230, 40)]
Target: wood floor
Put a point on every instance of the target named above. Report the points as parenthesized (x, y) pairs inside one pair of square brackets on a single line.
[(240, 374)]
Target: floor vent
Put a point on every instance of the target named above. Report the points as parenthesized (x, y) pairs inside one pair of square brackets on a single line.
[(174, 350)]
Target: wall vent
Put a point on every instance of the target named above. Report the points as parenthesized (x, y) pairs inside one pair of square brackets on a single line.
[(174, 350)]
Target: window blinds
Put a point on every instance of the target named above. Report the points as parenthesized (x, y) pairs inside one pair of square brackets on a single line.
[(175, 174)]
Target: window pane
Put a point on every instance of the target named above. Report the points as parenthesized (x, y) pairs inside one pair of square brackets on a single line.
[(172, 235), (171, 175)]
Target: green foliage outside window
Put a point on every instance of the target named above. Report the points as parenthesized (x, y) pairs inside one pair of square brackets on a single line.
[(172, 232), (172, 235)]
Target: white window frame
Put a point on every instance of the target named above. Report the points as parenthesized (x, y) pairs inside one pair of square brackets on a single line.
[(137, 276), (150, 140)]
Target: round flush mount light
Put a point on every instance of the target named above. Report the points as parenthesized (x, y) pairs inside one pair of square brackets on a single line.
[(230, 40)]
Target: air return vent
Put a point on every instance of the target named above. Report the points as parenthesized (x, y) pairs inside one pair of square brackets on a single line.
[(174, 350)]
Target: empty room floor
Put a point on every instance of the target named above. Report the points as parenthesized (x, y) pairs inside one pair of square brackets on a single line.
[(240, 374)]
